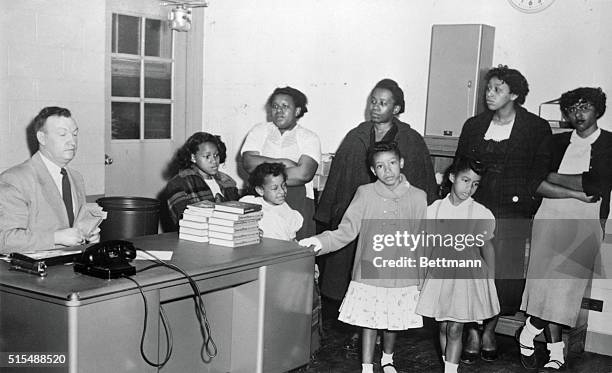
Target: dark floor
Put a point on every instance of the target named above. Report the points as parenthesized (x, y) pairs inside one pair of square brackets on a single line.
[(416, 352)]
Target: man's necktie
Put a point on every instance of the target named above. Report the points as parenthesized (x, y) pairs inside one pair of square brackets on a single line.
[(67, 196)]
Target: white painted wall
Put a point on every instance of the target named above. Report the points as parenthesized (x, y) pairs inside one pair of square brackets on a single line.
[(52, 53), (335, 51)]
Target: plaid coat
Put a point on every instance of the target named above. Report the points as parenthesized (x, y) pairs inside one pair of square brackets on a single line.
[(188, 187)]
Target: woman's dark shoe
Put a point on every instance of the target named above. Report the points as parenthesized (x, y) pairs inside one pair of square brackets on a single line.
[(352, 343), (558, 367), (472, 342), (468, 357), (488, 355), (529, 362)]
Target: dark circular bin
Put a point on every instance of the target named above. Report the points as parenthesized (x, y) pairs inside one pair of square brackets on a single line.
[(128, 217)]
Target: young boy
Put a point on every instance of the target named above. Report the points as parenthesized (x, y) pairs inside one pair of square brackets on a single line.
[(269, 189)]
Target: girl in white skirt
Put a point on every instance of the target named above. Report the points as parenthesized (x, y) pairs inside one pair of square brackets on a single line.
[(455, 296), (379, 297)]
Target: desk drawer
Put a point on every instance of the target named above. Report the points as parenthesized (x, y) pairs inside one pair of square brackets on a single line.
[(183, 290)]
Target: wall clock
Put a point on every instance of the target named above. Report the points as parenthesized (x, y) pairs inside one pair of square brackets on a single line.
[(531, 6)]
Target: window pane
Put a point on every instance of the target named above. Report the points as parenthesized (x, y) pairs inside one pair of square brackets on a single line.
[(125, 120), (158, 79), (125, 81), (126, 34), (157, 121), (158, 38)]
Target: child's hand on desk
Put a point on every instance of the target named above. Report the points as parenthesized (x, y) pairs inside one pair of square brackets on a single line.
[(312, 241)]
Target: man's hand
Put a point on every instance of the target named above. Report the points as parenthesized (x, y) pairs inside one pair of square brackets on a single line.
[(94, 236), (68, 237)]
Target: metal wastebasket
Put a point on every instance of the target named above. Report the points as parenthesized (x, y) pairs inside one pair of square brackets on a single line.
[(128, 217)]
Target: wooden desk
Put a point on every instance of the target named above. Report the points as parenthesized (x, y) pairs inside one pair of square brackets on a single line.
[(258, 300)]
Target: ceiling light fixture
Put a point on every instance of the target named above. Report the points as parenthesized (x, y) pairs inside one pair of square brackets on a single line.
[(180, 15)]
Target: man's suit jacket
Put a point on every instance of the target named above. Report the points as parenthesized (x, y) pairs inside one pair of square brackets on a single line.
[(31, 206)]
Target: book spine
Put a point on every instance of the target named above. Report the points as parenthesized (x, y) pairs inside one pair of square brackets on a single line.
[(237, 210), (195, 232), (236, 217), (232, 223), (233, 230), (190, 237), (234, 237), (192, 224), (216, 241)]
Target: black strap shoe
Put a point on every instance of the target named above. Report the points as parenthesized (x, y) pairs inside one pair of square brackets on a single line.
[(560, 367), (488, 355), (529, 362), (468, 357), (388, 365), (351, 344)]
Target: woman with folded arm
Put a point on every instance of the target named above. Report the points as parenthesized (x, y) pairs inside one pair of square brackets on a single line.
[(567, 229), (285, 141)]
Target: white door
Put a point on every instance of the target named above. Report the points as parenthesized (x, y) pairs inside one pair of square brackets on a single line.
[(145, 97)]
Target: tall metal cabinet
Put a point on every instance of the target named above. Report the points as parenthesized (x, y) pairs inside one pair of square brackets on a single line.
[(460, 57)]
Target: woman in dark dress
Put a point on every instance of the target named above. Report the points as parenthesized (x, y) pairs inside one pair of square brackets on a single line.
[(567, 229), (514, 146)]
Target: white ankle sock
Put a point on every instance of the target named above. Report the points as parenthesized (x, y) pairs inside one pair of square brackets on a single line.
[(367, 368), (528, 333), (387, 359), (450, 367), (556, 353)]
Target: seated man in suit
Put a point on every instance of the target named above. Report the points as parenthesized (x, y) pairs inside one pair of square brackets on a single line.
[(40, 198)]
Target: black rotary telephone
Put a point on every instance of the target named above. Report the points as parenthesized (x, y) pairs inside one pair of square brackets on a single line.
[(108, 259)]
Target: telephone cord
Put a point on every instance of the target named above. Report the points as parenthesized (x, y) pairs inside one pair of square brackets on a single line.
[(208, 345), (165, 323)]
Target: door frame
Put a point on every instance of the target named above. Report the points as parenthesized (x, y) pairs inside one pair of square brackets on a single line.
[(187, 91)]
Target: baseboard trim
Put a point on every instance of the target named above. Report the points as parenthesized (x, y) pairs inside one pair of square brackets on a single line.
[(598, 343)]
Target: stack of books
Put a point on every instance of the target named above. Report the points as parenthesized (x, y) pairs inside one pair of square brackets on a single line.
[(194, 224), (234, 224)]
